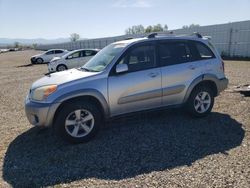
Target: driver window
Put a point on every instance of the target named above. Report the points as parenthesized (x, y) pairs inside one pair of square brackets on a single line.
[(74, 55), (50, 52), (140, 58)]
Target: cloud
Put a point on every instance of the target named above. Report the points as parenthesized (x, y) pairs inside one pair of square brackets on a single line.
[(132, 4)]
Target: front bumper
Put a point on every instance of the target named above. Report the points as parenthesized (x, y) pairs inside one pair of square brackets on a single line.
[(51, 68), (40, 114), (33, 60), (222, 84)]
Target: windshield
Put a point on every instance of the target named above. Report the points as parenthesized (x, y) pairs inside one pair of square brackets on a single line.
[(103, 58), (69, 53)]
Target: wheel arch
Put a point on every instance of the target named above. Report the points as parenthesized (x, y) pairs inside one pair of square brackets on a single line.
[(39, 58), (61, 65), (90, 95), (205, 79)]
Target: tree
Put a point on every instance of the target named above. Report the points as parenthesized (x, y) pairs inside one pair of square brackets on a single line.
[(157, 28), (74, 37), (165, 27), (34, 45), (139, 29), (16, 44), (149, 29), (135, 29), (190, 26)]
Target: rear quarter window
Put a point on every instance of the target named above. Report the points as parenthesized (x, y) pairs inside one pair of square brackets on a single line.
[(203, 51)]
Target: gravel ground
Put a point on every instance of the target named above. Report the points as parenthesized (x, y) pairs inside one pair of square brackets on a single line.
[(156, 149)]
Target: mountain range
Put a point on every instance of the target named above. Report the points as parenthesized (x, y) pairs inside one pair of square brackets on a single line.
[(10, 41)]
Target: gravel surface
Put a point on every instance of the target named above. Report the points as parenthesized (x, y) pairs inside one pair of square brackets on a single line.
[(156, 149)]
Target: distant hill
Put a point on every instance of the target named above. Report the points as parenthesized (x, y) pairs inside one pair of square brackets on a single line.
[(8, 41)]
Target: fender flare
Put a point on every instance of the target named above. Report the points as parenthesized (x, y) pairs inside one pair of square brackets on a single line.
[(86, 92), (199, 79)]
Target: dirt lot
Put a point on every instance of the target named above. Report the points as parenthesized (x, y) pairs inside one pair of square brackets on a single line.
[(156, 149)]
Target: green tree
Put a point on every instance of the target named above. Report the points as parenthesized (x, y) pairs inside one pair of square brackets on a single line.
[(135, 29), (149, 29), (157, 28), (190, 26)]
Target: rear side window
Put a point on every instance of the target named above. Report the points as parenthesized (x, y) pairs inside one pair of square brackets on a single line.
[(140, 58), (172, 53), (50, 52), (58, 51), (89, 53), (203, 51)]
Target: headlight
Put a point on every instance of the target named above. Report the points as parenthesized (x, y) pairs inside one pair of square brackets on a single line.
[(43, 92), (53, 62)]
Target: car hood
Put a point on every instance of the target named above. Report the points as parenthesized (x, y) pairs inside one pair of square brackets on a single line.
[(61, 77), (55, 59), (36, 55)]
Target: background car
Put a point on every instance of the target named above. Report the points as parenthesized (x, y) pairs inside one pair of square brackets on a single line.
[(72, 59), (47, 56)]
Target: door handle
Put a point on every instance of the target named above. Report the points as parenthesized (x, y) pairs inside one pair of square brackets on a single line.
[(153, 74), (192, 67)]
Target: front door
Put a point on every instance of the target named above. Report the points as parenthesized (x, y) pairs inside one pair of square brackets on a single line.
[(72, 61), (140, 87)]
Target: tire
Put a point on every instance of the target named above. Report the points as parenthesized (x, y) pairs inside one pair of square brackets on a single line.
[(201, 101), (39, 60), (71, 123), (60, 68)]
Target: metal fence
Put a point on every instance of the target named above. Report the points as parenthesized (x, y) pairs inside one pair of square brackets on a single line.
[(231, 39)]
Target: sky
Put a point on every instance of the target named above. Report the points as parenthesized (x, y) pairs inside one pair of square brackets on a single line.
[(102, 18)]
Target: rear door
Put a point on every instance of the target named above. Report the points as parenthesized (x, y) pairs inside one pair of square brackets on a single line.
[(140, 87), (179, 66)]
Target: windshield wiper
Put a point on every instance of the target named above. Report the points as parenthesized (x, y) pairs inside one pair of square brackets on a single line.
[(87, 70)]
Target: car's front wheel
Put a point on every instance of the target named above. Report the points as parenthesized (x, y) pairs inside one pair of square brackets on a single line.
[(61, 68), (39, 60), (78, 122), (201, 101)]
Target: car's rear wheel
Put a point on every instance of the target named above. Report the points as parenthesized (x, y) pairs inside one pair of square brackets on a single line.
[(61, 68), (201, 101), (39, 60), (78, 122)]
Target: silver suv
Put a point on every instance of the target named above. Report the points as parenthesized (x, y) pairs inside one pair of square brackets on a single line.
[(128, 76)]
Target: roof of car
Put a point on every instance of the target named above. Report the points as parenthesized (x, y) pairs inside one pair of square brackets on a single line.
[(196, 37), (57, 49)]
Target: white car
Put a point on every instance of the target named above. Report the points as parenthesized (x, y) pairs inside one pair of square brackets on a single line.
[(48, 56), (71, 60)]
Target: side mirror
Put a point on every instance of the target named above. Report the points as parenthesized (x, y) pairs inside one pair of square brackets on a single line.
[(70, 57), (121, 68)]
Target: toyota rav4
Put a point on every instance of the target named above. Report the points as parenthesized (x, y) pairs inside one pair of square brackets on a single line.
[(128, 76)]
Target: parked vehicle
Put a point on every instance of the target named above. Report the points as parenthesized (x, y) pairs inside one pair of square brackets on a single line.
[(71, 60), (128, 76), (47, 56)]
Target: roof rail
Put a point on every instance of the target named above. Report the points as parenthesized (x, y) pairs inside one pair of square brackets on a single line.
[(153, 35), (198, 35)]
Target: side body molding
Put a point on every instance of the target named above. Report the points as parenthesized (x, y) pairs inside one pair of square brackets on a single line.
[(86, 92), (199, 79)]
